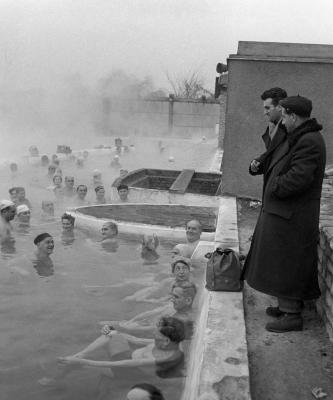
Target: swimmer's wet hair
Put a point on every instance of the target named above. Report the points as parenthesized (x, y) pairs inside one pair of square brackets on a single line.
[(39, 238), (172, 328), (69, 217), (154, 392), (99, 187), (189, 288), (122, 186), (12, 190), (85, 186), (112, 225)]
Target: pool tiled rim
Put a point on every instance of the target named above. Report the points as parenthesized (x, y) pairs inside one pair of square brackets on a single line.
[(219, 367)]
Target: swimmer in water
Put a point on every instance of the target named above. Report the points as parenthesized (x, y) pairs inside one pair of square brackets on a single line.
[(7, 214), (41, 260), (58, 189), (23, 215), (97, 178), (160, 355), (123, 173), (21, 199), (44, 160), (33, 150), (100, 195), (13, 194), (193, 233), (144, 391), (67, 234), (148, 249), (51, 169), (115, 162), (85, 154), (181, 269), (109, 232), (47, 210), (67, 222), (69, 190), (58, 171), (182, 298), (81, 193), (79, 162), (13, 170), (122, 190)]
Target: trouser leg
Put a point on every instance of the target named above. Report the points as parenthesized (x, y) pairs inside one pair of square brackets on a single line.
[(290, 306)]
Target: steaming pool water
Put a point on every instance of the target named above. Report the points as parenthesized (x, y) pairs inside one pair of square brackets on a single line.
[(44, 318)]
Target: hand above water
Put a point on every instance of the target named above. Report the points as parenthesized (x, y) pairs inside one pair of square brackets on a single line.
[(114, 324)]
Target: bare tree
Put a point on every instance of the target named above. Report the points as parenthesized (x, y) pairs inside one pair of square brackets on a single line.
[(190, 86)]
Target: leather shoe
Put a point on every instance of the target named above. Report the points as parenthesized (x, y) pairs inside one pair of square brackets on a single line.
[(274, 312), (286, 323)]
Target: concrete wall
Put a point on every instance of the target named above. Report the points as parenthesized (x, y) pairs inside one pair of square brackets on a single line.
[(248, 78), (325, 256), (186, 118)]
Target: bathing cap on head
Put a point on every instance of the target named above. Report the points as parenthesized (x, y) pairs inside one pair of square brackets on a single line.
[(22, 208), (96, 172), (183, 260), (5, 204), (41, 237)]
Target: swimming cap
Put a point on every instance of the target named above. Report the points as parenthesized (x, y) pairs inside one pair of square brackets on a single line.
[(180, 259), (41, 237), (5, 204), (22, 208)]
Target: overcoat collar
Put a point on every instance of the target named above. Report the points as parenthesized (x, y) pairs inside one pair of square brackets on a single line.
[(311, 125)]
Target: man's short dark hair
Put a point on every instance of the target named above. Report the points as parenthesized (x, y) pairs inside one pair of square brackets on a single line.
[(154, 392), (70, 218), (189, 288), (122, 186), (12, 190), (84, 186), (172, 328), (276, 94)]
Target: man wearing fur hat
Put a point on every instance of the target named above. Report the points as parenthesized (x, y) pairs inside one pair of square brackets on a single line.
[(282, 260)]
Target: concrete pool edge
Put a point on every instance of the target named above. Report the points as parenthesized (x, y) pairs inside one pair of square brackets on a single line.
[(219, 361)]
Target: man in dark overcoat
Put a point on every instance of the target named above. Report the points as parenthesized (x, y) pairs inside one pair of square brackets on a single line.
[(282, 260)]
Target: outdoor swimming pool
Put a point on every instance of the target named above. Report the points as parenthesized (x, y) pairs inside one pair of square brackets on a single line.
[(44, 318)]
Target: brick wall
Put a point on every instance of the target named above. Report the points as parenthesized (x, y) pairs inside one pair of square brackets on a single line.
[(325, 254)]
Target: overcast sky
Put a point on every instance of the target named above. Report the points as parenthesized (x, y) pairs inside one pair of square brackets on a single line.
[(42, 40)]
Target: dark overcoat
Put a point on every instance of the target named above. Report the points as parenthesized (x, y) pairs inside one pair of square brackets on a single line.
[(282, 260)]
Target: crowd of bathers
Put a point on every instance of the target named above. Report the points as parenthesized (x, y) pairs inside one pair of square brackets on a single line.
[(163, 349)]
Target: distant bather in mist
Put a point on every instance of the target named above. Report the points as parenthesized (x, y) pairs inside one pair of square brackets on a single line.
[(148, 249)]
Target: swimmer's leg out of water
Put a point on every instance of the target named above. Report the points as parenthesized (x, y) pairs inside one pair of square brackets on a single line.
[(114, 345)]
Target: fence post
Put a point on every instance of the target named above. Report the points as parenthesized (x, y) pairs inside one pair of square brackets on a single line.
[(222, 100), (170, 120)]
